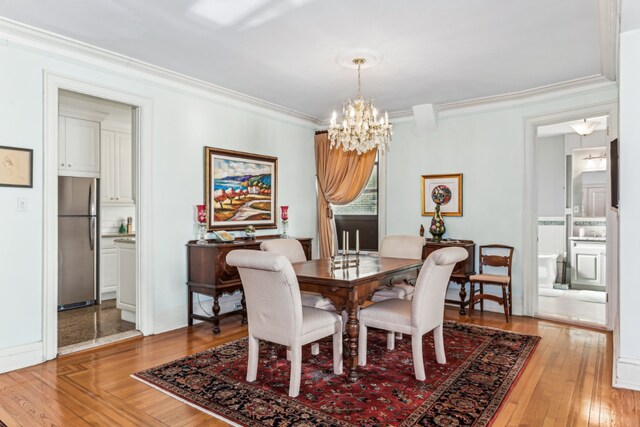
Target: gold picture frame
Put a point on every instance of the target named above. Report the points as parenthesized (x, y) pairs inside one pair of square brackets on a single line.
[(452, 184), (16, 167), (240, 189)]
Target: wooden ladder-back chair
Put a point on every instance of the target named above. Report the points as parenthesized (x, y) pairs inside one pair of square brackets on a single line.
[(491, 256)]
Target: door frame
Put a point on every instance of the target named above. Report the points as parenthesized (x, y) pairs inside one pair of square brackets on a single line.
[(530, 231), (142, 134)]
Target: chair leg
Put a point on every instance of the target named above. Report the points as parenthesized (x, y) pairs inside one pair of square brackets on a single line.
[(472, 294), (438, 343), (505, 302), (252, 364), (482, 300), (315, 349), (362, 345), (288, 353), (398, 336), (296, 370), (391, 340), (337, 350), (510, 301), (418, 361)]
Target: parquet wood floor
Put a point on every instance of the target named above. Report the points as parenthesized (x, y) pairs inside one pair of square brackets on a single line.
[(567, 381)]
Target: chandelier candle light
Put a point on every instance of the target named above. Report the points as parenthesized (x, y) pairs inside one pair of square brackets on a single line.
[(345, 261), (361, 130)]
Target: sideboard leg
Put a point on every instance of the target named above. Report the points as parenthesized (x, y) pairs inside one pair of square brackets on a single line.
[(216, 315), (463, 296)]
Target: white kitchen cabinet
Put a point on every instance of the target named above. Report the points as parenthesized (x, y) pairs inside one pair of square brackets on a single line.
[(126, 288), (588, 268), (116, 177), (78, 147), (108, 266)]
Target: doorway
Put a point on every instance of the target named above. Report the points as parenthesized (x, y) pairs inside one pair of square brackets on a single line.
[(569, 256), (139, 259), (96, 240)]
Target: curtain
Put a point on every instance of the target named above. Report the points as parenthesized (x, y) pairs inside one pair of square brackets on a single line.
[(342, 175)]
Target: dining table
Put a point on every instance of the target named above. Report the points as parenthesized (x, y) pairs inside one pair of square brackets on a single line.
[(349, 288)]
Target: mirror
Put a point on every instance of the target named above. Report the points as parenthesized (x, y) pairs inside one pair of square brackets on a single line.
[(589, 183)]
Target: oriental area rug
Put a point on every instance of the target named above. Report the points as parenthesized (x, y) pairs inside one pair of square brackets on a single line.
[(482, 366)]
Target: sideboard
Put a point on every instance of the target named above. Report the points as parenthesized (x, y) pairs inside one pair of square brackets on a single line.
[(209, 274)]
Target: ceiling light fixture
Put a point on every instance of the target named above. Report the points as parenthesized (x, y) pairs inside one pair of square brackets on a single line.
[(584, 127), (361, 130)]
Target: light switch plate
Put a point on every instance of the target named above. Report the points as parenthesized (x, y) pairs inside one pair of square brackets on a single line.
[(23, 204)]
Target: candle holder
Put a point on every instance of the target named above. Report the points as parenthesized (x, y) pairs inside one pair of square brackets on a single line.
[(345, 261), (201, 222), (284, 216)]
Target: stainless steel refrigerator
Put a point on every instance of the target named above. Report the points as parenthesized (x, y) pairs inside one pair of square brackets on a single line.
[(77, 242)]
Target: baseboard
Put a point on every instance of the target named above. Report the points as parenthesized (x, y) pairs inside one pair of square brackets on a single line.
[(176, 317), (627, 373), (108, 295), (21, 356)]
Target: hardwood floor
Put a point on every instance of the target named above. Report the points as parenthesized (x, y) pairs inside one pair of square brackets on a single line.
[(567, 381)]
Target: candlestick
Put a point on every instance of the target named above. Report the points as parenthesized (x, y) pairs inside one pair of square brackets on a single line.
[(357, 241), (344, 241), (331, 252), (347, 251)]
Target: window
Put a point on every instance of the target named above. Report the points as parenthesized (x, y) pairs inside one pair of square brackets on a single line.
[(361, 214)]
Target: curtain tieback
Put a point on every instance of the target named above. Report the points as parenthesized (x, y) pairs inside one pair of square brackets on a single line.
[(329, 212)]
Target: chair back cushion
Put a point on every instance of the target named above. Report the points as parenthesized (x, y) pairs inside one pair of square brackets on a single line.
[(291, 248), (409, 247), (272, 295), (427, 308)]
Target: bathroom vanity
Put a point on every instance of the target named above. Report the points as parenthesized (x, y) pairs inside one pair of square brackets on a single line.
[(588, 256)]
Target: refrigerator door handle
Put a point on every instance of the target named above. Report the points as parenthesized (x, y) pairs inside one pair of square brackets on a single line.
[(92, 199), (92, 232)]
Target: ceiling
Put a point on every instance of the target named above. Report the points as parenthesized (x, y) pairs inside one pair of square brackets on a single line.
[(284, 51)]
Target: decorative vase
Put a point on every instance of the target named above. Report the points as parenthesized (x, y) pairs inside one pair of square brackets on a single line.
[(284, 216), (437, 228), (201, 221)]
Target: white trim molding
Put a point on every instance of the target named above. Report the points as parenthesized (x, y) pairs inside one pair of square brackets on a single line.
[(629, 369), (142, 133), (20, 356)]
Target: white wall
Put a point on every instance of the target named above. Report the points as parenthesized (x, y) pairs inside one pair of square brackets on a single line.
[(185, 120), (550, 165), (487, 146), (628, 364)]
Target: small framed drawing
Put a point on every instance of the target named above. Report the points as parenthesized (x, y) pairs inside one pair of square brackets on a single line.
[(240, 189), (16, 167), (443, 190)]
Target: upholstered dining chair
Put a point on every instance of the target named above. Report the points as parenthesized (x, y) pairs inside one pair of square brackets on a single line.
[(498, 257), (276, 314), (292, 249), (424, 313), (398, 246)]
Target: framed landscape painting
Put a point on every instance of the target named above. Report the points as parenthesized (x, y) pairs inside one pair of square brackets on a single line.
[(240, 189), (16, 167), (444, 190)]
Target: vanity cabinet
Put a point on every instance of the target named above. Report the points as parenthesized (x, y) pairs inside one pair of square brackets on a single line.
[(588, 267), (78, 147), (116, 170)]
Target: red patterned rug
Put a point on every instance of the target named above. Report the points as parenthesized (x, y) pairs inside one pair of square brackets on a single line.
[(482, 366)]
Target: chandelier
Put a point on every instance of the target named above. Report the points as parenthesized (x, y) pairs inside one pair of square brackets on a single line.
[(361, 130)]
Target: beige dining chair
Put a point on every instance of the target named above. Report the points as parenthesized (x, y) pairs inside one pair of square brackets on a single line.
[(292, 249), (399, 246), (276, 314), (416, 317)]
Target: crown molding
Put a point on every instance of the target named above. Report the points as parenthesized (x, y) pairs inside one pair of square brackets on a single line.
[(512, 99), (14, 33)]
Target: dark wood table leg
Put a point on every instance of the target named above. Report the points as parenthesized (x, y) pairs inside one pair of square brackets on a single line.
[(463, 297), (352, 343), (216, 314), (244, 310), (189, 307)]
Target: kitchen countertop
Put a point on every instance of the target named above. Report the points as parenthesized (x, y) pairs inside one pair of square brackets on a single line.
[(117, 235), (588, 239), (126, 240)]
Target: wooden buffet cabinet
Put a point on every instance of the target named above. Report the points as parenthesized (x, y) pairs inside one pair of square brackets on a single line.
[(209, 274), (462, 270)]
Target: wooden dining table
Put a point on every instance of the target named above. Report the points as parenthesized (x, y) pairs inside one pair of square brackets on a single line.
[(349, 288)]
